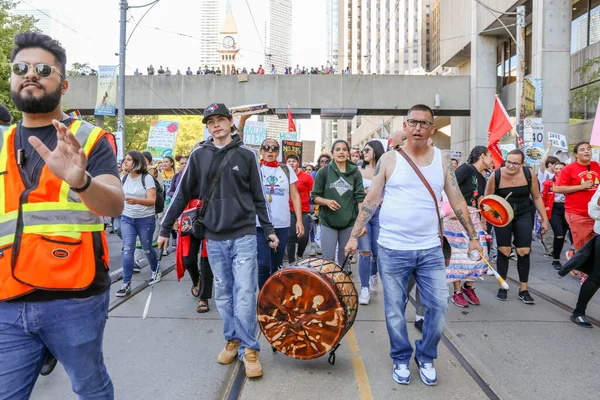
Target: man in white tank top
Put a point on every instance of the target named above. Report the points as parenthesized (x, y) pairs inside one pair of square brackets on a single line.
[(409, 241)]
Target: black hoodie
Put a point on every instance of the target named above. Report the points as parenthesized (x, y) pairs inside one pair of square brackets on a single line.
[(238, 197)]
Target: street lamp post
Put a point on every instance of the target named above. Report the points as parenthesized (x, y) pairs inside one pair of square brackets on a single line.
[(121, 82)]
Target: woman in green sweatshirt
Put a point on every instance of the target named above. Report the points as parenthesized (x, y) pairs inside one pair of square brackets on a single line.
[(338, 191)]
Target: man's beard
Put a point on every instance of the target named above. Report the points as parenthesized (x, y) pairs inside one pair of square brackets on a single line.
[(32, 105)]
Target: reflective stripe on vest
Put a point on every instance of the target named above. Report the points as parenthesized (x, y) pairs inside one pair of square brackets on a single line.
[(8, 226)]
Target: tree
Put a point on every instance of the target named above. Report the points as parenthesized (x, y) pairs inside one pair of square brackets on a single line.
[(78, 69), (10, 25), (586, 96)]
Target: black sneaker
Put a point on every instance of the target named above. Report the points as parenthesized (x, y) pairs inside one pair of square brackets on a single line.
[(525, 297), (419, 325), (557, 265), (502, 294), (581, 321), (125, 290), (49, 365)]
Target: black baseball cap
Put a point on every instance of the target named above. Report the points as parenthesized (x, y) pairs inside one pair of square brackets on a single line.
[(5, 114), (216, 109)]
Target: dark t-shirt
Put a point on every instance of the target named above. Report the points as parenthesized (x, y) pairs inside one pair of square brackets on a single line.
[(102, 161), (471, 183)]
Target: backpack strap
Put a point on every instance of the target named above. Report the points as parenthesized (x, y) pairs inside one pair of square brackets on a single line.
[(124, 178), (286, 171), (497, 176), (527, 172)]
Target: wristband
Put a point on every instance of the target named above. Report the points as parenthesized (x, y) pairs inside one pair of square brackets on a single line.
[(88, 182)]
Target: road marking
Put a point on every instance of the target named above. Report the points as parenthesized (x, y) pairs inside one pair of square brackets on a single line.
[(360, 372)]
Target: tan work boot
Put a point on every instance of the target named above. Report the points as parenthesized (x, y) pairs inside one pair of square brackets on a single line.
[(252, 364), (229, 352)]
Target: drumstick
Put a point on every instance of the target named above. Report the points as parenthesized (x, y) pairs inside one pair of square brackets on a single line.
[(496, 274), (508, 195)]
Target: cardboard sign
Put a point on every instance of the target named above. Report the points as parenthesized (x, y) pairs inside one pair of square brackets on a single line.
[(287, 145)]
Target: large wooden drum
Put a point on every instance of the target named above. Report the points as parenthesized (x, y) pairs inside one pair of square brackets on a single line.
[(304, 310)]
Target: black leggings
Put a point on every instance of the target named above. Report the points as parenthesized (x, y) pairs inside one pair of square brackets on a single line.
[(560, 226), (521, 228), (293, 238), (204, 275), (590, 286)]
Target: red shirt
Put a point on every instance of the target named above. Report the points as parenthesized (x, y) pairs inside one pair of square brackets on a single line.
[(575, 174), (304, 185)]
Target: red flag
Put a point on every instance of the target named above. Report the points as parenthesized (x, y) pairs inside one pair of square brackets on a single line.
[(291, 125), (500, 125)]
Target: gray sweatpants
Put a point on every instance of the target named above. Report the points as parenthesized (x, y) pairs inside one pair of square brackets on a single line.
[(330, 238)]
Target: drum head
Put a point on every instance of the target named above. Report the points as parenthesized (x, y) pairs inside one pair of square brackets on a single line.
[(496, 210), (300, 313)]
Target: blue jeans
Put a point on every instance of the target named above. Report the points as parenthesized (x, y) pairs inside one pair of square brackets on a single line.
[(429, 270), (270, 261), (367, 264), (130, 229), (71, 329), (234, 266)]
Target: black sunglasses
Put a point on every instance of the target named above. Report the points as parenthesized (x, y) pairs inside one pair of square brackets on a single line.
[(273, 148), (43, 70)]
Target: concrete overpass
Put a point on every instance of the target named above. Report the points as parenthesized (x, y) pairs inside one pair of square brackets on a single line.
[(331, 96)]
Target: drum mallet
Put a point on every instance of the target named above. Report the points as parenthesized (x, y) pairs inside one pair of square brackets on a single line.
[(496, 274)]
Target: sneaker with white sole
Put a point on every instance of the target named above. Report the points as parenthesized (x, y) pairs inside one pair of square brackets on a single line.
[(156, 277), (427, 372), (373, 281), (401, 374), (124, 291), (136, 266), (365, 296)]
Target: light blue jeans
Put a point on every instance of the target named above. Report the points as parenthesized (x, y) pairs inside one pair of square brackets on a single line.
[(71, 329), (367, 264), (429, 270), (235, 269), (131, 228)]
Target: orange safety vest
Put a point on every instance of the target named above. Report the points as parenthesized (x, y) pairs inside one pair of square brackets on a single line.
[(49, 239)]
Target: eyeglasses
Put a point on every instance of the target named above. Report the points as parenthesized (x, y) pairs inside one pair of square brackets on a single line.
[(43, 70), (273, 148), (365, 151), (424, 124), (324, 161), (513, 164)]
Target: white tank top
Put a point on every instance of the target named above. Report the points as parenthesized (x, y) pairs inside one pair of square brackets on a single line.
[(367, 184), (408, 218)]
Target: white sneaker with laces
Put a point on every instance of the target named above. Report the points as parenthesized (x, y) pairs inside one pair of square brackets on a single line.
[(373, 283), (156, 277), (401, 374), (365, 296), (427, 372)]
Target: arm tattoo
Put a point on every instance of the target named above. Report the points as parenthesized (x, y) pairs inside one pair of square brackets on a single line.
[(377, 168), (365, 214), (467, 223)]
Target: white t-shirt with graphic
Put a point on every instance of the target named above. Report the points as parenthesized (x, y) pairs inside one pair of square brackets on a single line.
[(277, 192), (133, 187)]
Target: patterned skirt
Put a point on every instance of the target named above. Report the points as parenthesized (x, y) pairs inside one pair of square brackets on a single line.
[(461, 268)]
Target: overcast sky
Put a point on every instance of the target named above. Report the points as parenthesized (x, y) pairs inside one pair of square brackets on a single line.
[(92, 34)]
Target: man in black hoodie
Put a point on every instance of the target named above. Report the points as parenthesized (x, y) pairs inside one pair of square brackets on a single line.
[(230, 229)]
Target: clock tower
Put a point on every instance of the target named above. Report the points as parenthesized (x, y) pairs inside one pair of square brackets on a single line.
[(228, 45)]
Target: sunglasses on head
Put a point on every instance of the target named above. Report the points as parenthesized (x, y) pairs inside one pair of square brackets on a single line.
[(269, 147), (43, 70)]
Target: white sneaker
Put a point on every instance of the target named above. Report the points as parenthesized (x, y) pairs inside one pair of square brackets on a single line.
[(365, 296), (427, 372), (156, 277), (373, 283), (401, 374)]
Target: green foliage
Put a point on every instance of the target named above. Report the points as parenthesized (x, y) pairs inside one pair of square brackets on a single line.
[(78, 69), (191, 130), (589, 73), (10, 25)]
